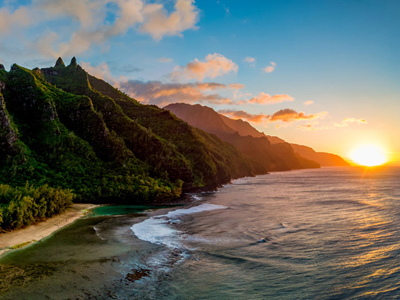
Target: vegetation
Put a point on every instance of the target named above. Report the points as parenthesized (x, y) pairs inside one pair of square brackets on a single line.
[(23, 206), (173, 149), (75, 137)]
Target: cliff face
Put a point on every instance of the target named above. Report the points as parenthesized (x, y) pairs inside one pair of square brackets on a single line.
[(271, 157)]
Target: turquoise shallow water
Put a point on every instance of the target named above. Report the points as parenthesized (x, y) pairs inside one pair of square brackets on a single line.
[(332, 233)]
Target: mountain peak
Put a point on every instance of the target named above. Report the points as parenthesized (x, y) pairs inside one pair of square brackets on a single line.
[(59, 63), (73, 62)]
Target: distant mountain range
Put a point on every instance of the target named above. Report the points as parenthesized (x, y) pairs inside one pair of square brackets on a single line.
[(252, 142)]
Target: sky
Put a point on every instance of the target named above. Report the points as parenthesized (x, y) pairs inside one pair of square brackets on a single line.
[(319, 73)]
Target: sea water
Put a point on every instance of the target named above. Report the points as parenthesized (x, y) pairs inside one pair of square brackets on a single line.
[(330, 233)]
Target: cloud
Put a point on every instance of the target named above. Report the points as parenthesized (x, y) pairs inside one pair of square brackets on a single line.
[(353, 120), (236, 86), (161, 94), (314, 126), (290, 115), (159, 24), (284, 115), (212, 66), (271, 68), (86, 12), (90, 25), (308, 103), (20, 18), (307, 127), (345, 122), (264, 98), (164, 60), (250, 60), (241, 114), (129, 69)]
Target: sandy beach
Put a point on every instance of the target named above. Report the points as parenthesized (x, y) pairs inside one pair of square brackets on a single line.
[(43, 229)]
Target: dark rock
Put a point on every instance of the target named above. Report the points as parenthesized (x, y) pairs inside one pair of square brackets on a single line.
[(60, 63), (14, 67), (73, 62), (2, 67)]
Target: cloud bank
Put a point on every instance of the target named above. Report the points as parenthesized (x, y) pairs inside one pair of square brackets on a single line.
[(91, 23)]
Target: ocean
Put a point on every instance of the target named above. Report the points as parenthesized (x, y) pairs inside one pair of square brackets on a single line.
[(330, 233)]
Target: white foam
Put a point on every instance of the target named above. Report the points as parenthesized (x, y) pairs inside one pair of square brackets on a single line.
[(193, 210), (156, 229)]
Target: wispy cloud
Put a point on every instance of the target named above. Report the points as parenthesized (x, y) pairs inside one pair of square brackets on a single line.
[(345, 122), (314, 126), (164, 60), (308, 103), (241, 114), (270, 68), (284, 115), (264, 98), (212, 66), (250, 60)]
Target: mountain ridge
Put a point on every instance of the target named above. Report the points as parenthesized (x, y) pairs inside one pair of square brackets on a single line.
[(191, 113), (273, 157)]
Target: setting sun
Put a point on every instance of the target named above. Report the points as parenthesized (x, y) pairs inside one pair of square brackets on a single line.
[(368, 156)]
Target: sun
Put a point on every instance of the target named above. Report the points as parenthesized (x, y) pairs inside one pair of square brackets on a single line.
[(369, 156)]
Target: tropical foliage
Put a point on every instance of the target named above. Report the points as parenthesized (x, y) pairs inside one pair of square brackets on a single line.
[(62, 129)]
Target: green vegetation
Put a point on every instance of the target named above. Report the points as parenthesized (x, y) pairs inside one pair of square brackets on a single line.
[(73, 136), (19, 246), (23, 206), (173, 149)]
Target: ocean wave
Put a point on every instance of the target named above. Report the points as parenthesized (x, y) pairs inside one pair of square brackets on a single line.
[(156, 229)]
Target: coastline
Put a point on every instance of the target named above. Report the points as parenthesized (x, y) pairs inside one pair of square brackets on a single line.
[(26, 236)]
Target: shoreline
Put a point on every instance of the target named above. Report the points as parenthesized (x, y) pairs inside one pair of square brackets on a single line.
[(26, 236)]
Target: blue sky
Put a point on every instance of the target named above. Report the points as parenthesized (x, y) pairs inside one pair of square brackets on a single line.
[(343, 56)]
